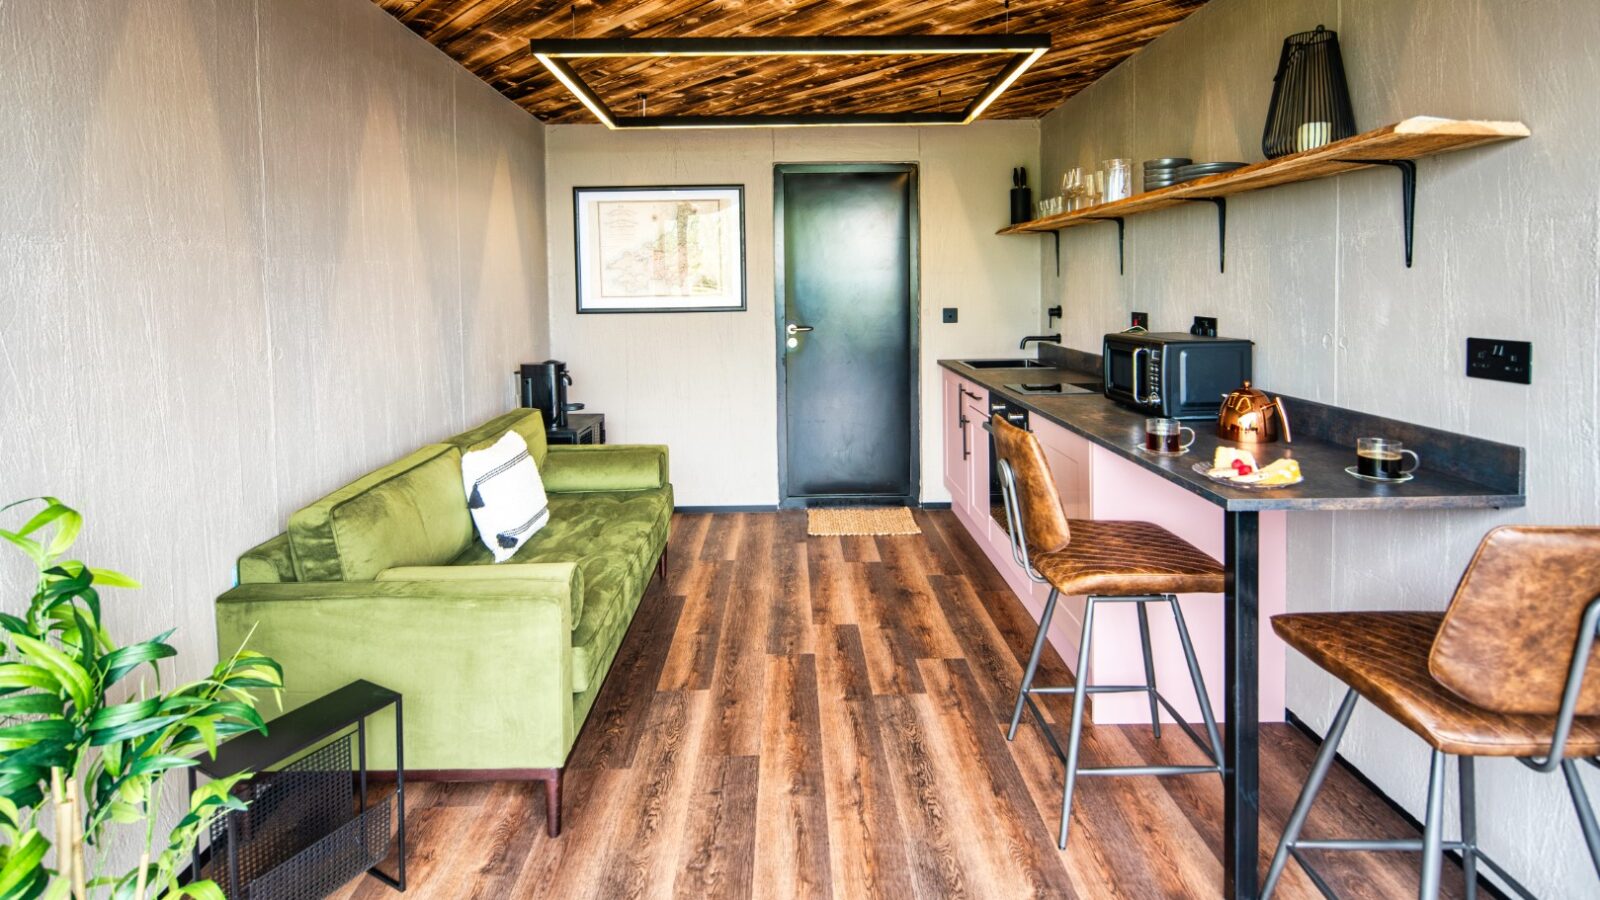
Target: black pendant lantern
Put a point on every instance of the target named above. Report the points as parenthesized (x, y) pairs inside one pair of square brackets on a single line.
[(1310, 100)]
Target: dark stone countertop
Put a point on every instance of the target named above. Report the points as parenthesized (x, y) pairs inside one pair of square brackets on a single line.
[(1445, 480)]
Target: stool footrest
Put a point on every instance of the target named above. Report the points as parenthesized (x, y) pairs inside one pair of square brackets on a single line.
[(1150, 770), (1050, 737)]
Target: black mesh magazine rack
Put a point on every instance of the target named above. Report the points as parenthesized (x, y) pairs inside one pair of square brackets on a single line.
[(310, 826)]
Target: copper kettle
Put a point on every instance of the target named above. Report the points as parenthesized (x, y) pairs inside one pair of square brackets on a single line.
[(1249, 416)]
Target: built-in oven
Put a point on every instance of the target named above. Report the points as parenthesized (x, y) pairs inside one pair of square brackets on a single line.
[(1018, 416), (1173, 374)]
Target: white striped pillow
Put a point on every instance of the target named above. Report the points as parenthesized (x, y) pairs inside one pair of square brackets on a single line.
[(504, 494)]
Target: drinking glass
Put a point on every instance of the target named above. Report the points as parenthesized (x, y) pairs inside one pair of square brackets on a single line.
[(1166, 436), (1381, 458), (1119, 179), (1072, 187)]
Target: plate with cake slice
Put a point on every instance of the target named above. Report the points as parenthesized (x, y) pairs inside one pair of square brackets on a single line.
[(1238, 468)]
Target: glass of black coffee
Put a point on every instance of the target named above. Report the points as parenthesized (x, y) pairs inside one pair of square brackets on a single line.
[(1166, 436), (1381, 458)]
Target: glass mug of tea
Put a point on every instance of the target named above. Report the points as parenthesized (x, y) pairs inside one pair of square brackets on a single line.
[(1380, 458), (1166, 436)]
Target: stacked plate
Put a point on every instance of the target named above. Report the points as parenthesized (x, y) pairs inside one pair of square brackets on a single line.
[(1201, 170), (1160, 173)]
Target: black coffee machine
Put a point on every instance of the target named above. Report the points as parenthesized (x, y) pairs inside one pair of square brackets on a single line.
[(544, 386)]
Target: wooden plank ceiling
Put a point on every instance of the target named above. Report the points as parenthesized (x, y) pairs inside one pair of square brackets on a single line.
[(489, 38)]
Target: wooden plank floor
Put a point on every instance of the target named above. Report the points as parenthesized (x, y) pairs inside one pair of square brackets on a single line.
[(793, 716)]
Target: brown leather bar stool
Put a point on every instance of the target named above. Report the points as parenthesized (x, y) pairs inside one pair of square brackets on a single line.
[(1109, 562), (1505, 671)]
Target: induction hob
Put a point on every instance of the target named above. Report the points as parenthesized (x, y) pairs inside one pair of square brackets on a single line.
[(1058, 390)]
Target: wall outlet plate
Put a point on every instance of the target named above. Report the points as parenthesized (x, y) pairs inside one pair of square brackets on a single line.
[(1500, 360), (1141, 319), (1204, 326), (949, 314)]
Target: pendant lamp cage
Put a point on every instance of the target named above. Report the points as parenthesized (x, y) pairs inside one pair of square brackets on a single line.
[(1310, 99)]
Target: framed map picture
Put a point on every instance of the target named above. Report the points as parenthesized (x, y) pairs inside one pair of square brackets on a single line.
[(659, 249)]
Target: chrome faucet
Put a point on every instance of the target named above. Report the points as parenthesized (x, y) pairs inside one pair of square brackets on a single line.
[(1052, 338)]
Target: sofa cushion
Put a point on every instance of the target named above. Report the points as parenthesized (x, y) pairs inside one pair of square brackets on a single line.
[(408, 513), (615, 539), (504, 494), (268, 562), (527, 422), (599, 467)]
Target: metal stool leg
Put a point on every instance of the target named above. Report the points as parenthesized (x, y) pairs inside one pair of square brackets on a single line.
[(1149, 670), (1433, 829), (1469, 826), (1580, 805), (1308, 794), (1080, 692), (1206, 715), (1033, 662)]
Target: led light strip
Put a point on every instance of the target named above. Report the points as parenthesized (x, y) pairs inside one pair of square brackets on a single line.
[(553, 53)]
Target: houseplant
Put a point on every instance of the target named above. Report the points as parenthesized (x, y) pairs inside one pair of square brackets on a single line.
[(88, 731)]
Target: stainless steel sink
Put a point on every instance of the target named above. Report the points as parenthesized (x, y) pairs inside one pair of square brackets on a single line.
[(1004, 363)]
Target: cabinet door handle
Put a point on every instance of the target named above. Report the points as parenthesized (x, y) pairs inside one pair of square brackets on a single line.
[(966, 451)]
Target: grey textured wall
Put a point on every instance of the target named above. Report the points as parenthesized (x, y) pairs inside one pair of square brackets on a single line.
[(248, 251), (1506, 247)]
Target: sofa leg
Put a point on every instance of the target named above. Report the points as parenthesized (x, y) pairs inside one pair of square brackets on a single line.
[(661, 563), (552, 803)]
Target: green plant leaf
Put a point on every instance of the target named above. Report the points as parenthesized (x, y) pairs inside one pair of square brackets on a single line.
[(41, 755), (113, 578), (131, 730), (123, 713), (198, 890), (32, 548), (24, 864), (74, 680), (30, 704), (25, 734), (125, 813), (23, 675), (150, 765), (123, 660)]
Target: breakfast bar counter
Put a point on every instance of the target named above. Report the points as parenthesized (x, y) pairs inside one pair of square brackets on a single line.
[(1456, 472)]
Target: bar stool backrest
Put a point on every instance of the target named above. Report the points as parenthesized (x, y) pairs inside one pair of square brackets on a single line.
[(1044, 522), (1510, 633)]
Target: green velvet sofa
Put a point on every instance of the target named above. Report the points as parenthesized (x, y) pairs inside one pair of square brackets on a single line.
[(499, 665)]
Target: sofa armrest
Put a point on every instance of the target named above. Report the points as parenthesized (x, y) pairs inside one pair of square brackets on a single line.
[(484, 666), (605, 467), (566, 576)]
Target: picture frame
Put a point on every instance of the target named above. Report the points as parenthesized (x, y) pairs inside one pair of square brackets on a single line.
[(658, 249)]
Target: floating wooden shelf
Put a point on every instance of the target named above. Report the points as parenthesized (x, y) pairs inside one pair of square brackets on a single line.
[(1397, 145)]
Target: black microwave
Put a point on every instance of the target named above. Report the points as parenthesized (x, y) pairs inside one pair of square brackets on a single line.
[(1173, 373)]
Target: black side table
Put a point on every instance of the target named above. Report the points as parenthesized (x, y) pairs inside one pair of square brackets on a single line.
[(302, 836), (582, 428)]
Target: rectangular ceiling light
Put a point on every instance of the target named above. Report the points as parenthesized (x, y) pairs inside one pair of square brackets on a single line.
[(1023, 49)]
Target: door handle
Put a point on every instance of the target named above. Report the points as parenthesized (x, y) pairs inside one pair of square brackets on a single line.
[(792, 329)]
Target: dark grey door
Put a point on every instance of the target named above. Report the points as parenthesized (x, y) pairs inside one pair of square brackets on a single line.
[(847, 295)]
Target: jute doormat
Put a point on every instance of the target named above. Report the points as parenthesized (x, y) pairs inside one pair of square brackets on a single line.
[(883, 520)]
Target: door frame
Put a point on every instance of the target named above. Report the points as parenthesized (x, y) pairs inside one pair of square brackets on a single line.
[(914, 321)]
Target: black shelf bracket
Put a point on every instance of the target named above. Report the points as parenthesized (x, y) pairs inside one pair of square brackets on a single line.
[(1408, 194), (1122, 234), (1056, 236), (1222, 228)]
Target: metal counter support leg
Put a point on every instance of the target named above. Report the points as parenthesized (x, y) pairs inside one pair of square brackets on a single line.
[(1241, 799)]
